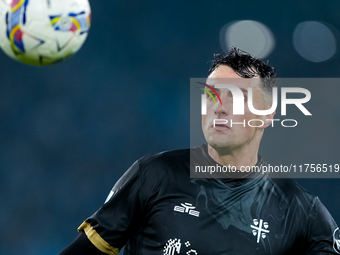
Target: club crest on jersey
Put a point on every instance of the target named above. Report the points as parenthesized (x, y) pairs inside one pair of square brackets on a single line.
[(173, 246), (260, 229), (187, 208), (336, 240)]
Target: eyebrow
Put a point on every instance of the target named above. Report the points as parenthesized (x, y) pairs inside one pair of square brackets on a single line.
[(242, 89), (212, 86), (213, 89)]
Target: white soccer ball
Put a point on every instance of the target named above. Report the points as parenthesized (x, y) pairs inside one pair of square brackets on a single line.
[(43, 32)]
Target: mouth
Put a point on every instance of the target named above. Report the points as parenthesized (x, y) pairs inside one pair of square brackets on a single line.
[(220, 125)]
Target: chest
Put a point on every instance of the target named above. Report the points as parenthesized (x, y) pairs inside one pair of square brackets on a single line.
[(206, 220)]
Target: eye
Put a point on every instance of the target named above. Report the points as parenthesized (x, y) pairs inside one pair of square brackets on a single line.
[(211, 93)]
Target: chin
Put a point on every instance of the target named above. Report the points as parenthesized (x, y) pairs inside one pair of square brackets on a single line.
[(218, 144), (222, 149)]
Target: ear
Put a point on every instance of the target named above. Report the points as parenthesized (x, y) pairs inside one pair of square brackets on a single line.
[(269, 120)]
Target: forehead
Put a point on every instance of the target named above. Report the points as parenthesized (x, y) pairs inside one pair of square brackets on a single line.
[(224, 74), (224, 71)]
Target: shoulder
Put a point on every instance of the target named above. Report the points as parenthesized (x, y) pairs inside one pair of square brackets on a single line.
[(286, 195), (161, 173), (293, 192), (164, 164), (165, 158), (152, 166)]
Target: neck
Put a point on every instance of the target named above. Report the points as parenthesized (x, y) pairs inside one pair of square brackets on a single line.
[(238, 158)]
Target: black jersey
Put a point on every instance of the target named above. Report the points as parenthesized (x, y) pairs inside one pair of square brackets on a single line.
[(157, 209)]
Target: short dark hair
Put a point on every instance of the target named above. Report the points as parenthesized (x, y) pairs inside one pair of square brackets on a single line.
[(246, 66)]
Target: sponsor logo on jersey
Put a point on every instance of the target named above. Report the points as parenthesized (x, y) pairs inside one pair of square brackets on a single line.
[(173, 246), (260, 229), (336, 240), (187, 208)]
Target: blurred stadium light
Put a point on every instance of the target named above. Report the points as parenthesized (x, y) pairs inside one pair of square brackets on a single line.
[(248, 35), (314, 41)]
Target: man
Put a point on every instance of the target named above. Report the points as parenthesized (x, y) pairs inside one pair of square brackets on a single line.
[(156, 208)]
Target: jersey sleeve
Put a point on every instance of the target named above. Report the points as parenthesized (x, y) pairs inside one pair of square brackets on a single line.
[(112, 225), (323, 232)]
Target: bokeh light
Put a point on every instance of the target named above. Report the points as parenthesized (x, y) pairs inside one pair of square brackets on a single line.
[(248, 35), (314, 41)]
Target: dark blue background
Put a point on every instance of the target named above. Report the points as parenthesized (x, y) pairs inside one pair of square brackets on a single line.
[(68, 131)]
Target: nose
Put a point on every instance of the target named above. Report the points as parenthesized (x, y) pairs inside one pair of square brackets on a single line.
[(221, 110)]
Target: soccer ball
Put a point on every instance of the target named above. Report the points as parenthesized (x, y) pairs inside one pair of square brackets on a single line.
[(43, 32)]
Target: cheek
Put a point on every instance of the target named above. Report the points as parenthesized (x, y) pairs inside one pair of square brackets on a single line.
[(248, 115), (258, 102), (204, 119)]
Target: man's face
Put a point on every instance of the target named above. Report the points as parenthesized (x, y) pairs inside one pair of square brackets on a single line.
[(227, 137)]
